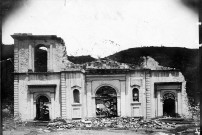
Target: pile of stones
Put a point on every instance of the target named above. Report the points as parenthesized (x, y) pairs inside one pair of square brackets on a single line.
[(115, 123)]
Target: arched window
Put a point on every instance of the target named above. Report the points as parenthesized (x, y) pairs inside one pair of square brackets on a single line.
[(76, 96), (135, 94), (40, 61)]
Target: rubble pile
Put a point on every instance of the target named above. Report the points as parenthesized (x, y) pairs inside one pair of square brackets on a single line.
[(115, 123)]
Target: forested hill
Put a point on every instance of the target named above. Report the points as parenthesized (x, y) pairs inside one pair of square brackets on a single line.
[(176, 57), (80, 59), (184, 59)]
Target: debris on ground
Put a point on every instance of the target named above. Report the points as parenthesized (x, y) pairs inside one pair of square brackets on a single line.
[(115, 123)]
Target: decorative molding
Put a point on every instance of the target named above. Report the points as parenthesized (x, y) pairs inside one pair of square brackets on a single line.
[(168, 87), (76, 104), (106, 84), (135, 103), (135, 82), (41, 88), (168, 92), (76, 87), (37, 95)]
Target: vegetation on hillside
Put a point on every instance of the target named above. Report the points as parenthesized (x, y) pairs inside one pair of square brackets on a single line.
[(186, 60), (80, 59)]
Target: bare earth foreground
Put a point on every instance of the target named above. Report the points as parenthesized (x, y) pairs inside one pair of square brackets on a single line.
[(84, 132)]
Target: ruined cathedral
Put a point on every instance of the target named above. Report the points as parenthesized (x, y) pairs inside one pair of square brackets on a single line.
[(47, 85)]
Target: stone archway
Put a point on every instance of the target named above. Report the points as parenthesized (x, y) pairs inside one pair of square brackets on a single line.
[(106, 102), (42, 108), (169, 108)]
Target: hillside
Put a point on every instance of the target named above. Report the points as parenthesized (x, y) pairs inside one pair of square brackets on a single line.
[(186, 60), (81, 59)]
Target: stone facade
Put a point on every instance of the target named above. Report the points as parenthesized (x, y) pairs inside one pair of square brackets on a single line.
[(75, 91)]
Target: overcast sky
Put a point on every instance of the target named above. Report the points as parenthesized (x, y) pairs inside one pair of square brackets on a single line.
[(103, 27)]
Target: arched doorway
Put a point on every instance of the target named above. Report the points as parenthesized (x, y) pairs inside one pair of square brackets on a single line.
[(42, 108), (169, 104), (106, 102)]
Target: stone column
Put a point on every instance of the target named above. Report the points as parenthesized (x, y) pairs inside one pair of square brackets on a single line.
[(32, 106), (156, 106), (69, 95), (159, 103), (148, 94), (179, 102), (119, 105), (83, 91), (176, 106), (30, 58), (52, 106), (123, 95), (48, 59), (93, 107), (89, 100), (51, 58), (16, 57)]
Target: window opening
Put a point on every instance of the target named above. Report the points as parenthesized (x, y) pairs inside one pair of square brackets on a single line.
[(135, 94), (41, 58), (76, 96)]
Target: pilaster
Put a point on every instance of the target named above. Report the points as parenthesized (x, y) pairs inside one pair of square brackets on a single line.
[(52, 106), (119, 105), (16, 94), (30, 58), (16, 57), (31, 106), (148, 94), (123, 96), (179, 102), (63, 96), (51, 58), (89, 100)]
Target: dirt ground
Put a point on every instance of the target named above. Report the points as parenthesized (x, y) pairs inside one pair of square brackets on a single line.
[(84, 132)]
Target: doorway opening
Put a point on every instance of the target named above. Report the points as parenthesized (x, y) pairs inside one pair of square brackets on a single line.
[(106, 102), (169, 105), (42, 109)]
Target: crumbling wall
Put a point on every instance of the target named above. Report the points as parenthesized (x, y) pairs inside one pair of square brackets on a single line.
[(185, 102), (150, 63), (160, 74), (23, 53), (60, 62)]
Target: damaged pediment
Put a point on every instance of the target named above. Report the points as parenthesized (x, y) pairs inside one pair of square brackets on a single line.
[(150, 63), (105, 64)]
